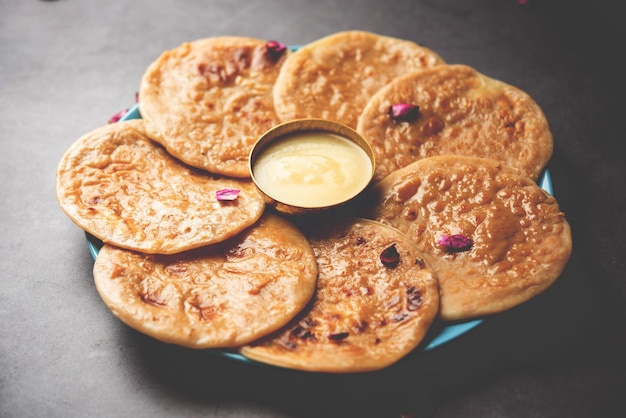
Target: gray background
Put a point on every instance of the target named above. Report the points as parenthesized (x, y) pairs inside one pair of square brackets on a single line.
[(66, 66)]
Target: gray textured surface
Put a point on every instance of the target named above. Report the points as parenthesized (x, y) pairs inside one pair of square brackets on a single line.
[(67, 65)]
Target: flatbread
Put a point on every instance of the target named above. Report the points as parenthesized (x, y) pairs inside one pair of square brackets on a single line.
[(461, 112), (334, 77), (521, 239), (216, 296), (209, 100), (123, 188), (365, 315)]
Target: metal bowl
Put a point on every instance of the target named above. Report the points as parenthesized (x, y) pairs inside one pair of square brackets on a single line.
[(297, 126)]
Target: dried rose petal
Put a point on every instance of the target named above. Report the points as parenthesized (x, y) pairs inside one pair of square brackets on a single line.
[(455, 243), (404, 112), (275, 48), (390, 256), (227, 194), (119, 115)]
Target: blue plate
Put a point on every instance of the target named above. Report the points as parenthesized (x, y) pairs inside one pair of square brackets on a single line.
[(446, 333)]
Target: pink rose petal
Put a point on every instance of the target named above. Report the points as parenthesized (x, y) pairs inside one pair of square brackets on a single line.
[(455, 243), (119, 115), (390, 256), (275, 48), (227, 194), (404, 112)]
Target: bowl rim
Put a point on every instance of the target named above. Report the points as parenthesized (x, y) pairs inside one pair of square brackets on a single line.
[(305, 125)]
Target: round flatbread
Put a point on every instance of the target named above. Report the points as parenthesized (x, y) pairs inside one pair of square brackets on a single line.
[(334, 77), (209, 100), (461, 112), (366, 313), (216, 296), (124, 189), (493, 237)]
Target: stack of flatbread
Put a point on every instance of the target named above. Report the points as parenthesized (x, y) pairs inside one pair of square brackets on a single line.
[(453, 227)]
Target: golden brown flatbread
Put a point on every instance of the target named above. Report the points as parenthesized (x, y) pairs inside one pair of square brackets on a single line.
[(492, 236), (209, 100), (374, 303), (461, 112), (124, 189), (223, 295), (334, 77)]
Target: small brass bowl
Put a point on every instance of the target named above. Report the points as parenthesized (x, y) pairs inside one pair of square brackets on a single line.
[(319, 177)]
